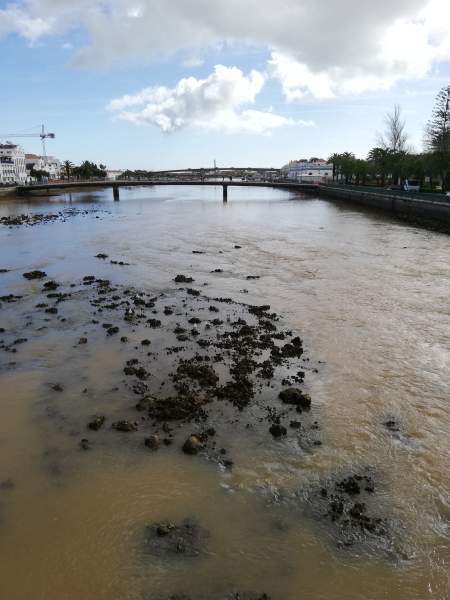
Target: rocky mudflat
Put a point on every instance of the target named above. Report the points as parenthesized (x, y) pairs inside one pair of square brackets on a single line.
[(31, 219), (204, 376)]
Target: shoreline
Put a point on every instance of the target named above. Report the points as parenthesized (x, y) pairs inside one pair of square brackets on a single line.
[(8, 190), (418, 210)]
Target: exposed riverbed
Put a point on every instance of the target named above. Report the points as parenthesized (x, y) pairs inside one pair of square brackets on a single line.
[(110, 364)]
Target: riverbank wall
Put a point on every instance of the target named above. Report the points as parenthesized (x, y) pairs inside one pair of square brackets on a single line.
[(7, 190), (412, 208)]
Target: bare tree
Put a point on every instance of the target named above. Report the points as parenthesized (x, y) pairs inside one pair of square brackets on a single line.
[(394, 137)]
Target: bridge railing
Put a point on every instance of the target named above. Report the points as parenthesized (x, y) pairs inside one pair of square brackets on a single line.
[(104, 182)]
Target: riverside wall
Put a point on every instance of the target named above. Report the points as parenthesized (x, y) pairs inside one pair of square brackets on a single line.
[(410, 207)]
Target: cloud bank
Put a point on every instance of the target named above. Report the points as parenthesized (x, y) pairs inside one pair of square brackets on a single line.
[(322, 49), (217, 103)]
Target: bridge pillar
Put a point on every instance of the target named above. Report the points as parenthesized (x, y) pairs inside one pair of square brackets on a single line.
[(116, 193), (225, 193)]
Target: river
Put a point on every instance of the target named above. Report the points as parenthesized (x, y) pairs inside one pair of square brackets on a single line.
[(369, 297)]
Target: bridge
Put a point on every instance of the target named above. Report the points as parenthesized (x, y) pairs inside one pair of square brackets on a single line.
[(205, 173), (117, 184), (432, 208)]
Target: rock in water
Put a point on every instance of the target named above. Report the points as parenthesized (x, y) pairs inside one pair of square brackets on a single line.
[(277, 430), (124, 426), (187, 538), (35, 275), (152, 442), (295, 396), (97, 423), (84, 444), (183, 279), (192, 445)]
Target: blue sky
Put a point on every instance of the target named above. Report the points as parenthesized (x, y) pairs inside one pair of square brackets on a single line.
[(91, 78)]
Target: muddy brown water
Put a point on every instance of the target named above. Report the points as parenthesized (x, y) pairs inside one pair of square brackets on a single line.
[(370, 298)]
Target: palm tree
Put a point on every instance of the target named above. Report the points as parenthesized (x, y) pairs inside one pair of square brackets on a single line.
[(68, 166), (347, 165), (361, 169), (343, 165), (381, 160), (335, 161)]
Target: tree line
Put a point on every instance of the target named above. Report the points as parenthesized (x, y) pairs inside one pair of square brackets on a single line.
[(137, 174), (392, 160), (86, 170)]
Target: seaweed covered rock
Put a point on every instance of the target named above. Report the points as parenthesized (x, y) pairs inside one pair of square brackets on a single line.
[(187, 406), (97, 423), (192, 445), (126, 426), (296, 397), (183, 279), (277, 430), (169, 539), (347, 502), (153, 442), (35, 275)]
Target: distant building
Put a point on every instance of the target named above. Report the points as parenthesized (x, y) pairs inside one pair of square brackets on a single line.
[(12, 164), (50, 164), (314, 170), (32, 161), (113, 174), (7, 170)]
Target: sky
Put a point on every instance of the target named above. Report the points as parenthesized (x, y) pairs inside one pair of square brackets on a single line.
[(160, 84)]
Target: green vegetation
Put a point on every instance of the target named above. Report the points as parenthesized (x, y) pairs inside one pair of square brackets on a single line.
[(138, 174), (86, 170), (392, 161), (39, 174), (67, 167), (437, 135)]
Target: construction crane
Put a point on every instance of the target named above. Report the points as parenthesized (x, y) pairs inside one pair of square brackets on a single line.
[(43, 135)]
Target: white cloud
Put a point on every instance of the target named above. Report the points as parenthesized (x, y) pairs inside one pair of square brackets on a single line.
[(13, 19), (193, 62), (406, 49), (219, 102), (320, 48), (298, 80)]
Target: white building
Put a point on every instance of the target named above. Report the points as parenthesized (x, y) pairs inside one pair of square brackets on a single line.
[(12, 164), (50, 164), (314, 170), (7, 170), (113, 174)]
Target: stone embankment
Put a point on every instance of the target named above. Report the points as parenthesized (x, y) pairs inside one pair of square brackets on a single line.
[(423, 208)]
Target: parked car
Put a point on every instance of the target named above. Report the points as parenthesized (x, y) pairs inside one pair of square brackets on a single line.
[(411, 185)]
